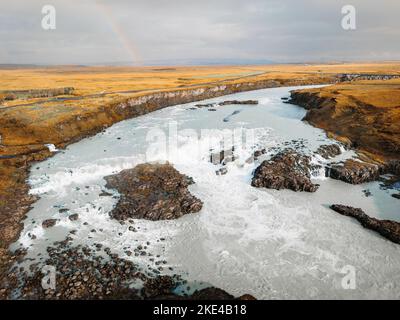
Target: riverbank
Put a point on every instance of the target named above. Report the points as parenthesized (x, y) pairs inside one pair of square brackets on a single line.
[(365, 115)]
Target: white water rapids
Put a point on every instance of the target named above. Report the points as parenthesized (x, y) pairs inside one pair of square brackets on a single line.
[(271, 244)]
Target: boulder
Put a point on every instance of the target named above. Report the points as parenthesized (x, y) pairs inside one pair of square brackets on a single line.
[(211, 293), (285, 170), (396, 195), (73, 217), (355, 172), (328, 151), (48, 223)]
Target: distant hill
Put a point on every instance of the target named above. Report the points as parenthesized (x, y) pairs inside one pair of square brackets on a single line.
[(190, 62)]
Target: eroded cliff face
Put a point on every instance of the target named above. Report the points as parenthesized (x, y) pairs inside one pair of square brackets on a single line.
[(141, 105), (364, 126), (61, 126)]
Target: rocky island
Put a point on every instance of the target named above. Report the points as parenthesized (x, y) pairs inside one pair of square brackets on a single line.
[(285, 170), (153, 192)]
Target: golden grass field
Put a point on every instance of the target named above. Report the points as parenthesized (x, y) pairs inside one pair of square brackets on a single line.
[(95, 80)]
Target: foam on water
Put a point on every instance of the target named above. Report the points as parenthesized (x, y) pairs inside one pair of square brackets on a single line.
[(58, 181), (272, 244)]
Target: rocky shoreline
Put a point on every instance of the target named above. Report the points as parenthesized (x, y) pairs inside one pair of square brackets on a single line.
[(81, 273), (148, 191), (372, 130), (356, 123), (361, 126), (386, 228)]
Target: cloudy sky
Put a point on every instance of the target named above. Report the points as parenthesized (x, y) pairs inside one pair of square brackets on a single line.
[(190, 31)]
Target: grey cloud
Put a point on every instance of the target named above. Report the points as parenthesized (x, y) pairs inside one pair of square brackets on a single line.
[(100, 31)]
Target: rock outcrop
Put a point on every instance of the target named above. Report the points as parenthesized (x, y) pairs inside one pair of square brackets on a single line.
[(328, 151), (211, 106), (393, 167), (362, 116), (73, 217), (387, 228), (49, 223), (206, 105), (355, 172), (227, 102), (285, 170), (153, 192), (82, 274), (363, 76)]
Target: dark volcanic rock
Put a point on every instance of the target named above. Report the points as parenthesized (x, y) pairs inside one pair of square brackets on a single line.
[(228, 118), (105, 194), (207, 105), (49, 223), (328, 151), (238, 102), (153, 192), (83, 274), (396, 195), (73, 217), (355, 172), (211, 294), (387, 228), (162, 285), (285, 170), (222, 171), (393, 167)]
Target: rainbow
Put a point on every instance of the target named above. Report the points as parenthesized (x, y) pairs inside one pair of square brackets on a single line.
[(119, 31)]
